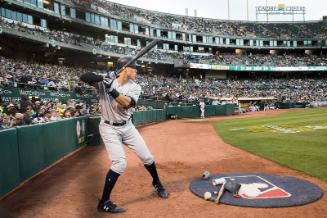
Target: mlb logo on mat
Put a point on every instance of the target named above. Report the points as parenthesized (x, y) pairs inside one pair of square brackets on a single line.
[(256, 187)]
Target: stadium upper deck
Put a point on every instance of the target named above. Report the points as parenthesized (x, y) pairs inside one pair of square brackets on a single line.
[(312, 29), (116, 18), (112, 30)]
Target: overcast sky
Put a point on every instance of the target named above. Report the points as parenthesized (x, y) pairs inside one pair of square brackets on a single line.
[(315, 9)]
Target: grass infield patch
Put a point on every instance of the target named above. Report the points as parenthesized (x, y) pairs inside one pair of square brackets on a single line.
[(297, 140)]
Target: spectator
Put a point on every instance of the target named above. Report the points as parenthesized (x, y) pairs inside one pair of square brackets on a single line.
[(68, 113), (19, 119)]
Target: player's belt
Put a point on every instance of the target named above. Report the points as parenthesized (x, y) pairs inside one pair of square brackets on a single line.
[(122, 123)]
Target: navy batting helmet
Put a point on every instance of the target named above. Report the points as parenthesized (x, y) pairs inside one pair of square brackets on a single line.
[(123, 61)]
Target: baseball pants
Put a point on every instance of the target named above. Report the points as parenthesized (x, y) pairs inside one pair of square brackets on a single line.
[(115, 136)]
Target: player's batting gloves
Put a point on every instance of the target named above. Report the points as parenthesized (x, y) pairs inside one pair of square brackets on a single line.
[(91, 78), (109, 79), (108, 83), (111, 75)]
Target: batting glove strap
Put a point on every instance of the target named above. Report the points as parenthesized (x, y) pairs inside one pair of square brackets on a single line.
[(114, 93)]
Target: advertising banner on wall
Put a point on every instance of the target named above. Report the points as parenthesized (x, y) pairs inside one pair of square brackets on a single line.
[(8, 93), (256, 68)]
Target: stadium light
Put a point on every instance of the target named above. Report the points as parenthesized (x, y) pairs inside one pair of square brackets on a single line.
[(228, 9), (247, 9)]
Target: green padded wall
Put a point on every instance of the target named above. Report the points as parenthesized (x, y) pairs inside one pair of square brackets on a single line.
[(93, 134), (210, 110), (220, 110), (43, 144), (150, 116), (31, 142), (9, 161), (230, 109), (59, 138)]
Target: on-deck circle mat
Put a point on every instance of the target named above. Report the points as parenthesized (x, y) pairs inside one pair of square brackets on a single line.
[(261, 190)]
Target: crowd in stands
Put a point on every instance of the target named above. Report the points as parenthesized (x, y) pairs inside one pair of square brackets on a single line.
[(49, 35), (157, 87), (59, 77), (142, 108), (53, 36), (280, 60), (174, 57), (27, 111), (41, 76), (206, 25), (176, 89)]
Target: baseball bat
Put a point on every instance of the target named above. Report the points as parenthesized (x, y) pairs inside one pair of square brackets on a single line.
[(139, 54), (220, 193)]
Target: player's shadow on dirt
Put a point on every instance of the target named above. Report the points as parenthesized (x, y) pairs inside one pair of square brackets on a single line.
[(134, 200), (172, 187), (4, 213)]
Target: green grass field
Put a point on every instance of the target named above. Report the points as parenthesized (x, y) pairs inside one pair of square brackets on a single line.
[(296, 139)]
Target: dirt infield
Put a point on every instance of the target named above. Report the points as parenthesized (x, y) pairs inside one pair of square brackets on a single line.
[(183, 150)]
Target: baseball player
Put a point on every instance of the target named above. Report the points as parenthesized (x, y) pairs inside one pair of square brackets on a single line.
[(117, 96), (202, 108)]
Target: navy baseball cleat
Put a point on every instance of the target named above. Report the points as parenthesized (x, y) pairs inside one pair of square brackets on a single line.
[(160, 189), (109, 207)]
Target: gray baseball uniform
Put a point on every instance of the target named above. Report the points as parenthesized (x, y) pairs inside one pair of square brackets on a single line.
[(115, 136), (202, 108)]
